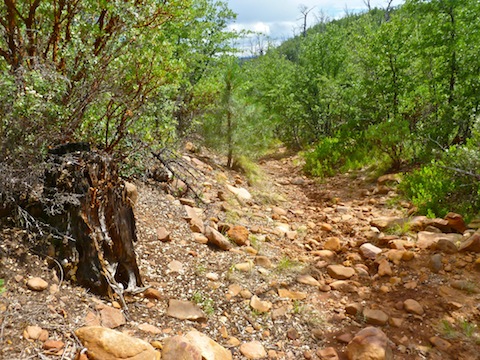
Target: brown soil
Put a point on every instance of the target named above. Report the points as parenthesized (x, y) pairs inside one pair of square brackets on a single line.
[(347, 203)]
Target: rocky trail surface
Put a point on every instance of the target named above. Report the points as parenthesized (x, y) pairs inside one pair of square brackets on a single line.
[(288, 268)]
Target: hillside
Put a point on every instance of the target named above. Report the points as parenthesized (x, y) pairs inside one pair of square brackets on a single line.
[(317, 263)]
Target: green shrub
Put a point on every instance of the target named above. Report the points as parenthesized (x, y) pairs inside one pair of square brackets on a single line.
[(341, 154), (393, 139), (429, 189), (437, 188)]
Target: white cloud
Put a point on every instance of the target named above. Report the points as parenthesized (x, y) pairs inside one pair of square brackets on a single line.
[(281, 19)]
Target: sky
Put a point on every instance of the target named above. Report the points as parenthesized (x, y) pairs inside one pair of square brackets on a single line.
[(282, 19)]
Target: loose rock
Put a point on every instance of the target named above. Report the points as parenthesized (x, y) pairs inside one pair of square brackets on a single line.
[(107, 344), (369, 344), (37, 284), (253, 350)]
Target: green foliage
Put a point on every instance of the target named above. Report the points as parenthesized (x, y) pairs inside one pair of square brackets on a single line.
[(206, 303), (233, 125), (429, 188), (2, 286), (393, 139), (341, 154), (117, 74), (451, 183)]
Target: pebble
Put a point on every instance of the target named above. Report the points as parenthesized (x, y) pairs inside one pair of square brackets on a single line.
[(413, 307), (37, 284), (253, 350)]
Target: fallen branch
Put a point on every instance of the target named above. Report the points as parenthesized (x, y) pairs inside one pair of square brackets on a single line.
[(170, 161)]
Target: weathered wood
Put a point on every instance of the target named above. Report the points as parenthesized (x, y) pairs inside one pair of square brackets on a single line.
[(86, 200)]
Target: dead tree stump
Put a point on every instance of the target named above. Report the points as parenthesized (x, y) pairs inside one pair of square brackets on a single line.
[(86, 201)]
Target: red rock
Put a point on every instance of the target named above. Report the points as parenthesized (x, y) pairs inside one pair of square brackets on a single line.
[(456, 222), (53, 345), (111, 318), (327, 354), (239, 234), (152, 293), (370, 343), (472, 244)]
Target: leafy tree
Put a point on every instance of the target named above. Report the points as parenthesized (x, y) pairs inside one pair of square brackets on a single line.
[(97, 70), (233, 123)]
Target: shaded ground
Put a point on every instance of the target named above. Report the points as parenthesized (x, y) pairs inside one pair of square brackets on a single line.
[(340, 207)]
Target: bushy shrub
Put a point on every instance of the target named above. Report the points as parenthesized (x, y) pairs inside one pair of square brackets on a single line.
[(340, 154), (449, 184), (393, 139), (429, 189)]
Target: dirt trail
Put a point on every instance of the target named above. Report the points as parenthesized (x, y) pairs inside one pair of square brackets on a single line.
[(298, 226)]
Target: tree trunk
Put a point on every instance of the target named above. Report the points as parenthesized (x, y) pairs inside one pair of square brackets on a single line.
[(87, 202)]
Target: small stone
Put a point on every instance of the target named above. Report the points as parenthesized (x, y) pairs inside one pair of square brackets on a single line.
[(240, 193), (53, 345), (345, 338), (307, 280), (436, 263), (375, 317), (279, 312), (212, 276), (354, 309), (32, 332), (333, 244), (472, 244), (233, 341), (384, 268), (185, 310), (340, 272), (295, 295), (396, 322), (279, 211), (152, 293), (111, 318), (163, 235), (369, 343), (196, 223), (327, 354), (175, 266), (151, 329), (413, 306), (456, 222), (253, 350), (343, 286), (259, 305), (263, 261), (239, 235), (37, 284), (293, 334), (326, 227), (209, 349), (217, 239), (446, 246), (244, 267), (369, 251), (200, 238), (440, 343), (177, 347)]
